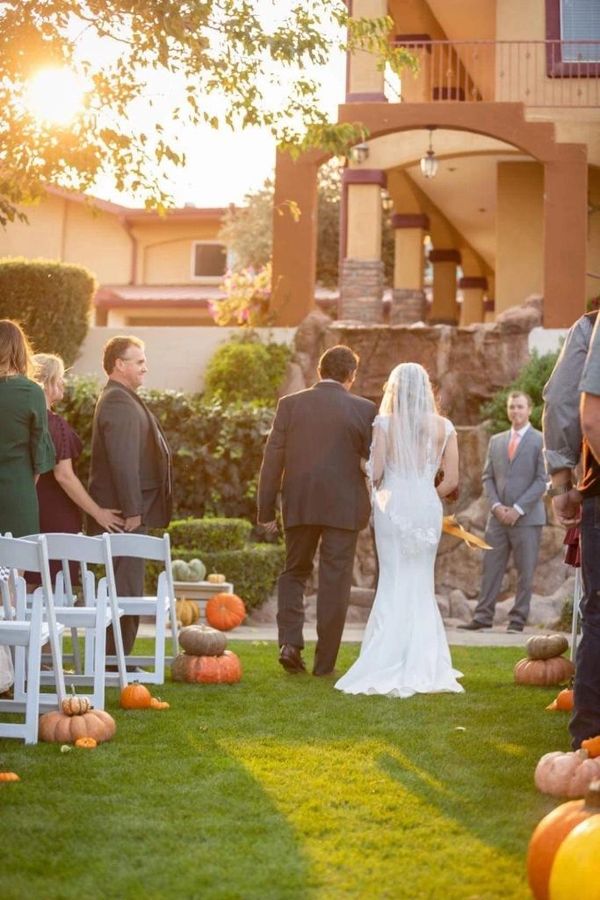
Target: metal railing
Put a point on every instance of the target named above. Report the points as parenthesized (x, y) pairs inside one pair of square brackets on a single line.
[(537, 73)]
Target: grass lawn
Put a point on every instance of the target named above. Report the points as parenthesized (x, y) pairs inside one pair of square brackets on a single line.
[(280, 787)]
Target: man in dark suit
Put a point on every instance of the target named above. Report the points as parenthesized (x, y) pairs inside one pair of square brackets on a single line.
[(313, 456), (131, 464), (514, 482)]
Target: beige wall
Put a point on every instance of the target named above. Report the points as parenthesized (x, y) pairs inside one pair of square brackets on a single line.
[(165, 250), (520, 233), (177, 356)]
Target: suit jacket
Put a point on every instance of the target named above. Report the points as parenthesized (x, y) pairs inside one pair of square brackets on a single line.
[(522, 480), (131, 462), (313, 455)]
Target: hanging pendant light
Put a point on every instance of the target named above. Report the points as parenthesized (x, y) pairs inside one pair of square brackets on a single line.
[(429, 163)]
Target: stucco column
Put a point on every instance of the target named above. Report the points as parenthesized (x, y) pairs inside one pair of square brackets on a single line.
[(416, 86), (489, 310), (444, 310), (364, 81), (408, 296), (361, 277), (473, 288), (565, 240), (294, 242)]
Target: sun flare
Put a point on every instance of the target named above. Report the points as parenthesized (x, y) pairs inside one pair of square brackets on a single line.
[(55, 95)]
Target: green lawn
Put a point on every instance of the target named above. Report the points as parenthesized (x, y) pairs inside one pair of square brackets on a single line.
[(280, 787)]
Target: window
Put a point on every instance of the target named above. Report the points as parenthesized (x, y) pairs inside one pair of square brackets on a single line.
[(573, 33), (209, 260)]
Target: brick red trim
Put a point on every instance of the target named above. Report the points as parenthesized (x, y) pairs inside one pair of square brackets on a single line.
[(489, 304), (444, 256), (115, 302), (365, 176), (473, 281), (410, 220), (555, 67)]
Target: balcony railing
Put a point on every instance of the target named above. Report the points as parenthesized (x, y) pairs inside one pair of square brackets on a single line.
[(537, 73)]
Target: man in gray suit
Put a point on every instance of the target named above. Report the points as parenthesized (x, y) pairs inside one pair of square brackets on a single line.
[(313, 456), (130, 466), (514, 482)]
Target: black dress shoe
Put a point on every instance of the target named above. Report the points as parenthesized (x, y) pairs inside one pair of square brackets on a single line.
[(332, 673), (291, 659), (473, 626), (515, 629)]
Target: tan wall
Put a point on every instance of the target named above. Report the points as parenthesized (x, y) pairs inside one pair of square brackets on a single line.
[(71, 232), (364, 222), (165, 250), (132, 315), (177, 357), (364, 77), (520, 233)]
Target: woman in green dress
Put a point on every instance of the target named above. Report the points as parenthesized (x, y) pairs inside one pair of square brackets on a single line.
[(26, 449)]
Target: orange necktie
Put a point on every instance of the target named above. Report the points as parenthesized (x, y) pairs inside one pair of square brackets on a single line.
[(513, 444)]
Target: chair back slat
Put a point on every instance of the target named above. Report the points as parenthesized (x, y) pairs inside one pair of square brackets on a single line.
[(79, 548), (20, 553), (140, 546)]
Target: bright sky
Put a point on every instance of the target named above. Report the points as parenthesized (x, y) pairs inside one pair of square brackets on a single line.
[(223, 165)]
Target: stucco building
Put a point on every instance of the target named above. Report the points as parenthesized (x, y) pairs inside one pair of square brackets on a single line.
[(507, 96)]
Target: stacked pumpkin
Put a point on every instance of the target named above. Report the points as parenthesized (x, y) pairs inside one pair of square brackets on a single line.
[(77, 723), (545, 665), (205, 659)]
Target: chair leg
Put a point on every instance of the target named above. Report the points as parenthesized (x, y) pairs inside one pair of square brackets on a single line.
[(159, 648), (99, 646), (174, 627), (118, 637), (34, 662)]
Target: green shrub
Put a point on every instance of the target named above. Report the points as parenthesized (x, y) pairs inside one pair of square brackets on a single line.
[(210, 535), (253, 571), (531, 380), (217, 450), (51, 300), (565, 621), (246, 370)]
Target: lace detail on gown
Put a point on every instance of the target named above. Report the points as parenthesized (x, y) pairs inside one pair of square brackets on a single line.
[(404, 649)]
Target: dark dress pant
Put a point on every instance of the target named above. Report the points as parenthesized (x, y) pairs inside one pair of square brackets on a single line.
[(336, 558), (585, 722)]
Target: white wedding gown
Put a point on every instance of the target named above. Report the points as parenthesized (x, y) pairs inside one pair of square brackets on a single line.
[(404, 649)]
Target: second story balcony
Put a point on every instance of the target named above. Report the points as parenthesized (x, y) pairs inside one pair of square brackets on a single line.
[(536, 73)]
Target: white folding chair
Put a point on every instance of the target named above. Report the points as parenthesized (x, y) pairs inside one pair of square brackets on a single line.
[(159, 607), (27, 632), (100, 609)]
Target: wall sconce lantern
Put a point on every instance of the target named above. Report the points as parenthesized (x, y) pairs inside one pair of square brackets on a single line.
[(429, 163), (386, 202), (359, 153)]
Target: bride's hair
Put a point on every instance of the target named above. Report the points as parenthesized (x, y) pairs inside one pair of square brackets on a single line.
[(409, 402)]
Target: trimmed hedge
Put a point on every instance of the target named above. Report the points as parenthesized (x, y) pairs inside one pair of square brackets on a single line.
[(217, 450), (253, 570), (51, 300), (210, 535)]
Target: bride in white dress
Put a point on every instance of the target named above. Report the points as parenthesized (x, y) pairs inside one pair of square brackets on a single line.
[(404, 649)]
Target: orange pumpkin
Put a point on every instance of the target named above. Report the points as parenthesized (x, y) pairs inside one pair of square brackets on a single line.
[(225, 611), (157, 703), (224, 669), (562, 701), (9, 776), (551, 832), (60, 728), (135, 696), (592, 745), (86, 743), (544, 672), (566, 774)]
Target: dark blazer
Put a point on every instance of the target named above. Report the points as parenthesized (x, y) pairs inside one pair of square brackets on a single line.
[(313, 455), (131, 463), (522, 480)]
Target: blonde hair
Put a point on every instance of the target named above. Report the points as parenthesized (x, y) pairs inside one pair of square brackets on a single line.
[(15, 350), (48, 368)]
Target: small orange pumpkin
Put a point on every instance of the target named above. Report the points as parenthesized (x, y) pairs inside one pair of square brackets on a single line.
[(551, 832), (135, 696), (225, 611), (9, 776), (562, 701), (592, 745), (157, 703), (86, 743), (215, 578)]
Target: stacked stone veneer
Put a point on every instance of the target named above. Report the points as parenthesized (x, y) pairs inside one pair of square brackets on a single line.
[(361, 290), (408, 307)]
